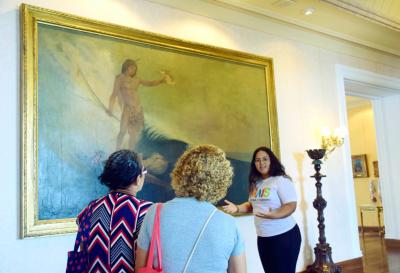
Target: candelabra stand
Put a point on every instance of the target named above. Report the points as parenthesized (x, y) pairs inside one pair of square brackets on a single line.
[(323, 253)]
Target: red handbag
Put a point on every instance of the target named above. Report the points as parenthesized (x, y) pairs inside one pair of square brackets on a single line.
[(155, 242)]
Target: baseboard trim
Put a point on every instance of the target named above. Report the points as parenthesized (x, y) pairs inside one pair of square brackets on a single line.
[(392, 243), (352, 264), (357, 264), (348, 265)]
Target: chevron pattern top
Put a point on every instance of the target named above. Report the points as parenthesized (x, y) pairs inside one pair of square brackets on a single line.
[(114, 227)]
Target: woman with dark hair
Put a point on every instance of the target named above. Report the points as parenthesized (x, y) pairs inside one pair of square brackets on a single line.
[(272, 200), (115, 218)]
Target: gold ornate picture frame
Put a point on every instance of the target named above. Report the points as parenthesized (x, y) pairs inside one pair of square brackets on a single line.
[(187, 94)]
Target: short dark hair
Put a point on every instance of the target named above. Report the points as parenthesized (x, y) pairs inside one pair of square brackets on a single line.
[(127, 63), (275, 169), (121, 169)]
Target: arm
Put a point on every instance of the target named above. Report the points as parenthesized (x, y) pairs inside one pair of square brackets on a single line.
[(245, 207), (141, 258), (152, 83), (237, 264), (144, 239), (114, 95), (284, 211)]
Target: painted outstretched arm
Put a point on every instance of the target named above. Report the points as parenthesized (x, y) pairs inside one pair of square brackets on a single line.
[(167, 78), (152, 83)]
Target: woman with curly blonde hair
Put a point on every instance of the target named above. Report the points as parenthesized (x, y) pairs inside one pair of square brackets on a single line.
[(200, 178)]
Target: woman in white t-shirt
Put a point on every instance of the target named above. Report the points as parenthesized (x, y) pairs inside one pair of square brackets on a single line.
[(272, 200)]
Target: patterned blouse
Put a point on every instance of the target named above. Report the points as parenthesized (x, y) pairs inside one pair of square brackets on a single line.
[(114, 228)]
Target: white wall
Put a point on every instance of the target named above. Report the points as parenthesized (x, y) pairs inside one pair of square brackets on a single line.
[(387, 111), (307, 99)]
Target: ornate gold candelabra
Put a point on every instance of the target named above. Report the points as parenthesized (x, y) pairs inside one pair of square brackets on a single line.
[(323, 253), (331, 140)]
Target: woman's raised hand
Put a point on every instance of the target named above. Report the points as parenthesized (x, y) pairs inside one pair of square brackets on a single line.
[(230, 207)]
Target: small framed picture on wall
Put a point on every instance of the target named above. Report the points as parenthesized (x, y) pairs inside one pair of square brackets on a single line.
[(376, 168), (360, 166)]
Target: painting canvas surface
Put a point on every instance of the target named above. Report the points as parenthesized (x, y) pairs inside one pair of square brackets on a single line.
[(207, 100)]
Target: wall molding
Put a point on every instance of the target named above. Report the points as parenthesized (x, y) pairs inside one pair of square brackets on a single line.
[(369, 79), (372, 90), (244, 7), (392, 243), (369, 15)]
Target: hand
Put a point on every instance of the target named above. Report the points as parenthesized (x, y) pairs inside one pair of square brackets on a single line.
[(167, 78), (230, 207), (266, 215), (164, 79)]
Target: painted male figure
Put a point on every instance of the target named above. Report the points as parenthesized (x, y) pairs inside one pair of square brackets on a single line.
[(125, 89)]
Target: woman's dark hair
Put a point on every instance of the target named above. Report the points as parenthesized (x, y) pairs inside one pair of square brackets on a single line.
[(121, 169), (275, 169)]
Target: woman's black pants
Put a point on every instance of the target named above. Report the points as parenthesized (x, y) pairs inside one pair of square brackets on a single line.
[(279, 253)]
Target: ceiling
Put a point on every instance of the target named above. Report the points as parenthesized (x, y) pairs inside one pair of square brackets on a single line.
[(385, 12), (372, 23)]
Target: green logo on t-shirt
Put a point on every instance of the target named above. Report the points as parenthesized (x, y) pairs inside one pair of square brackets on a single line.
[(263, 193)]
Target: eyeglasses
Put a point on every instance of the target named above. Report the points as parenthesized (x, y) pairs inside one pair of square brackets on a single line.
[(144, 171), (263, 159)]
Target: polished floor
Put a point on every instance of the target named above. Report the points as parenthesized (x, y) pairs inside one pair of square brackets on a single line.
[(377, 257)]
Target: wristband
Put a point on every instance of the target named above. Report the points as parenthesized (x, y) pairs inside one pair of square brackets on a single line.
[(237, 208)]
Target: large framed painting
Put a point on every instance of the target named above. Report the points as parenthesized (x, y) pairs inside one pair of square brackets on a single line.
[(90, 88)]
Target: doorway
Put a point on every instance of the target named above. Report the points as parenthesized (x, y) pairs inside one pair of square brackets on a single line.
[(384, 93), (365, 166)]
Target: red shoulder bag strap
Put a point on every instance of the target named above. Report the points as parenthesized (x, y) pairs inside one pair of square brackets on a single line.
[(155, 241)]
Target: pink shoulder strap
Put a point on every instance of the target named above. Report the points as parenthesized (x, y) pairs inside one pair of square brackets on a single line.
[(155, 241)]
